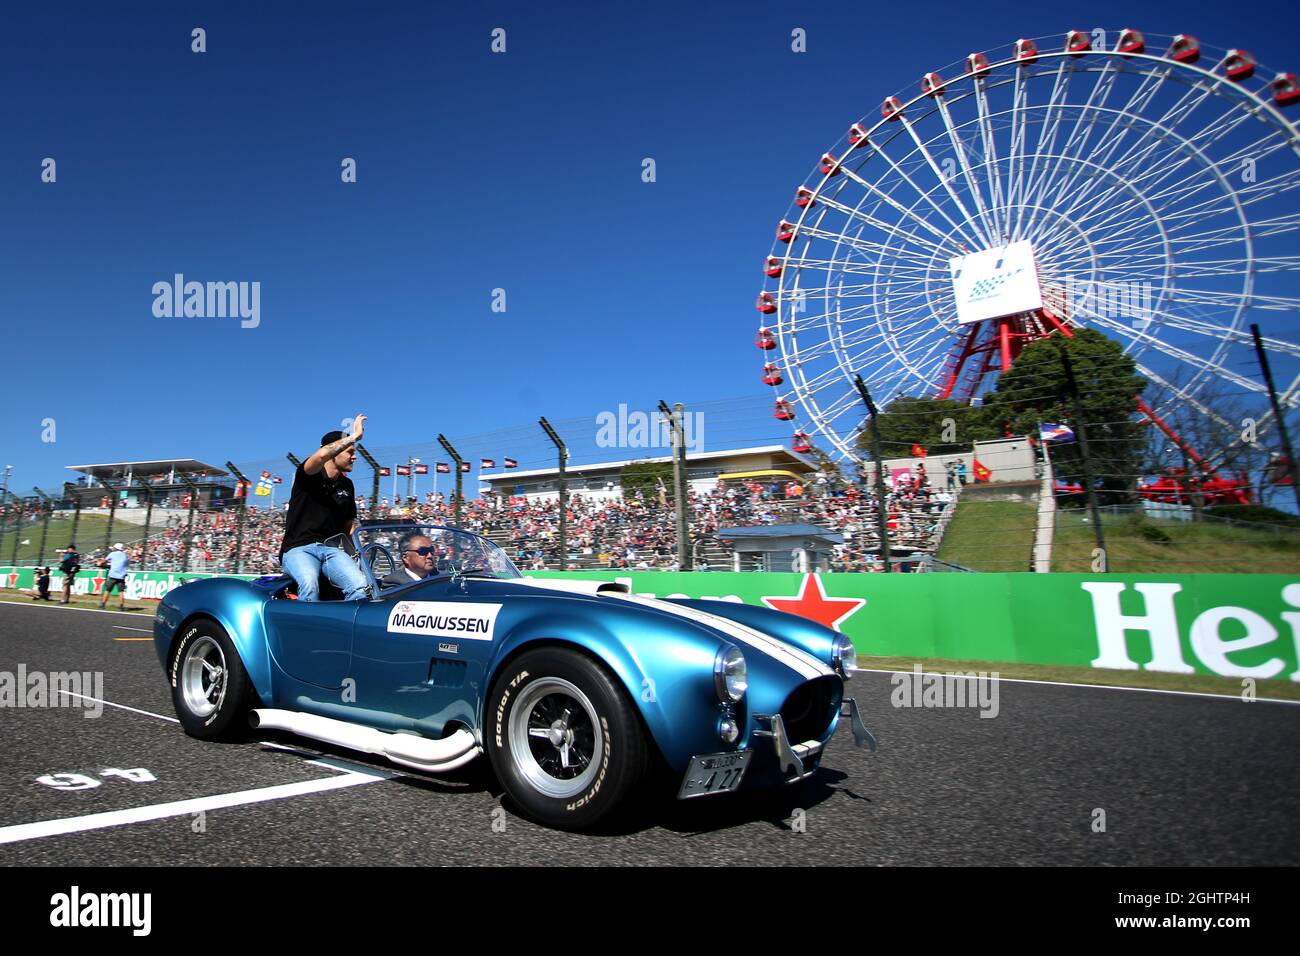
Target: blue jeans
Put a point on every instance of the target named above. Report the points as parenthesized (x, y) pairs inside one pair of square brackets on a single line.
[(305, 563)]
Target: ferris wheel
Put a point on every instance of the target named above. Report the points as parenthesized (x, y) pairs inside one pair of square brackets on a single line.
[(1145, 187)]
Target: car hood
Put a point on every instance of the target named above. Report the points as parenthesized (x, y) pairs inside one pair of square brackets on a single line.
[(807, 666)]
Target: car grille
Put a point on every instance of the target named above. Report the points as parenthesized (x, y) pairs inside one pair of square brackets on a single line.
[(808, 711)]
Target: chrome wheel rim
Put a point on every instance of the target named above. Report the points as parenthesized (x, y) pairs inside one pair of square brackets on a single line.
[(203, 677), (554, 741)]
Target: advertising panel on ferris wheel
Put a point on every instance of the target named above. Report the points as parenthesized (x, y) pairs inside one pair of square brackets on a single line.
[(995, 282)]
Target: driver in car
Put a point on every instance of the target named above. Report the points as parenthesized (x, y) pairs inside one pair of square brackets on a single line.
[(417, 560)]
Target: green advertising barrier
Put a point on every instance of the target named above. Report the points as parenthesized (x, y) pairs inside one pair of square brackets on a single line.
[(1240, 625), (140, 585)]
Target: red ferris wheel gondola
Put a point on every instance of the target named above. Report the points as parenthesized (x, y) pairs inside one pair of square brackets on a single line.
[(1130, 42), (1185, 48), (772, 267), (1077, 43), (766, 303), (772, 374), (1238, 66), (783, 411), (1026, 52), (801, 445), (765, 340), (1286, 89)]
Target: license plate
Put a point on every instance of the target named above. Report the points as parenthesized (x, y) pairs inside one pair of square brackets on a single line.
[(714, 773)]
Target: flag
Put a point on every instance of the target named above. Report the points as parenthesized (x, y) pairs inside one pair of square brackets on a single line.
[(511, 463), (443, 468), (1049, 432), (262, 490), (918, 451), (421, 469), (486, 463), (982, 472), (464, 466), (385, 472), (403, 469), (277, 480)]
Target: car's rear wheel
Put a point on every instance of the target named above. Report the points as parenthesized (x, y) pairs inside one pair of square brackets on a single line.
[(563, 738), (210, 687)]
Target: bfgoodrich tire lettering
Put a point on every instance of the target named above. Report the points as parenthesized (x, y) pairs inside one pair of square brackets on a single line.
[(210, 687), (563, 738)]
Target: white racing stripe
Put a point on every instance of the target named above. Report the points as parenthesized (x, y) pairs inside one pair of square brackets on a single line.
[(799, 661), (180, 808)]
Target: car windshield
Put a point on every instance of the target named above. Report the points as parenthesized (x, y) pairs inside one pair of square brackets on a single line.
[(403, 553)]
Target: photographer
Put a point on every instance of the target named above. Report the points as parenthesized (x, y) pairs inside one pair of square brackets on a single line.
[(70, 565)]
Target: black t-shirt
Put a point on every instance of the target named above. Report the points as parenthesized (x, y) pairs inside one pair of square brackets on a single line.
[(318, 508)]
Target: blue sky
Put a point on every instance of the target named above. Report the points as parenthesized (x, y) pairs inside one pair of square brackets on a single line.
[(476, 171)]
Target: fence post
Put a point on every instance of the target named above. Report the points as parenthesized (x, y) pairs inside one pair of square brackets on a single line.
[(460, 474), (882, 496), (76, 520), (1277, 414), (148, 517), (112, 512), (562, 450), (243, 513), (18, 527), (189, 526), (45, 525), (1088, 489), (374, 482), (681, 511)]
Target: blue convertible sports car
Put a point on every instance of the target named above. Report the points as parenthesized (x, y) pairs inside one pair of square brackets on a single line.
[(575, 690)]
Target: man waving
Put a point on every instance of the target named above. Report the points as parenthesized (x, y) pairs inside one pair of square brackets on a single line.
[(322, 506)]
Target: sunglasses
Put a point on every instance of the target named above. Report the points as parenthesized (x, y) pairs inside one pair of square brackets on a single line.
[(423, 551)]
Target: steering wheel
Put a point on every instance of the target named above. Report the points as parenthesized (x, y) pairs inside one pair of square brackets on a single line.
[(370, 555)]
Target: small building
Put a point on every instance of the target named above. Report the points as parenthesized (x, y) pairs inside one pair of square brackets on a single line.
[(603, 480), (781, 547), (132, 482)]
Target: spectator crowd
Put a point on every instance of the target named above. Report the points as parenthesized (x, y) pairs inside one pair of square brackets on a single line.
[(635, 531)]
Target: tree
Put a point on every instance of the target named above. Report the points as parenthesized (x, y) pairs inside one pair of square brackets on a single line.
[(644, 476), (1036, 390), (941, 426)]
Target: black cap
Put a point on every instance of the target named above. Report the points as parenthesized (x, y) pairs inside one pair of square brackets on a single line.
[(329, 437)]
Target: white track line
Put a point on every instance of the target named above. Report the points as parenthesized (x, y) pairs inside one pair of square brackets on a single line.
[(1061, 683), (109, 703), (69, 607), (180, 808), (142, 630)]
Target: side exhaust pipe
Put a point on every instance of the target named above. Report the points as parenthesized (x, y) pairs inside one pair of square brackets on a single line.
[(421, 753)]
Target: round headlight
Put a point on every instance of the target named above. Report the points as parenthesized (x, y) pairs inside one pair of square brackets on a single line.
[(844, 655), (730, 674)]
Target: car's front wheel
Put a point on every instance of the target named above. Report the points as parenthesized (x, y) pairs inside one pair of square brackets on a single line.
[(210, 688), (563, 738)]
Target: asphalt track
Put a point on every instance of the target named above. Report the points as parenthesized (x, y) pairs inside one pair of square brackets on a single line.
[(1182, 780)]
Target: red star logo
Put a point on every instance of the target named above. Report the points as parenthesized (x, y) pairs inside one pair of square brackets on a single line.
[(13, 579), (96, 585), (813, 604)]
